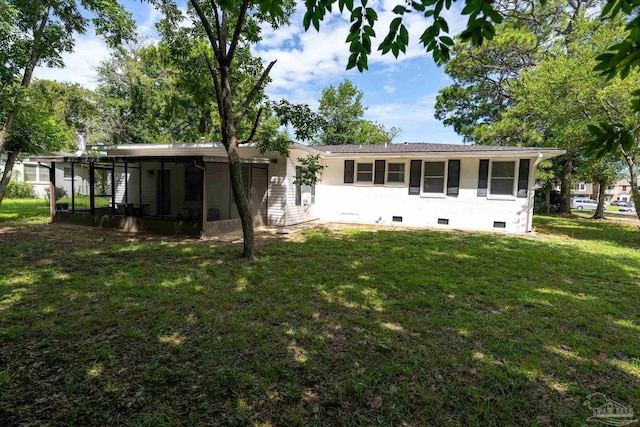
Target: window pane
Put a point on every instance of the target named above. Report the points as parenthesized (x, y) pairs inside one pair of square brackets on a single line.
[(502, 186), (365, 172), (396, 172), (503, 169), (434, 169), (434, 185), (67, 172), (29, 173)]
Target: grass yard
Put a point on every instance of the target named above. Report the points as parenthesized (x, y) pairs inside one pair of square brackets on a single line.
[(338, 326)]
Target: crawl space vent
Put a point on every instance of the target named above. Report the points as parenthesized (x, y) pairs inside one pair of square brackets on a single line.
[(499, 224), (396, 219), (443, 221)]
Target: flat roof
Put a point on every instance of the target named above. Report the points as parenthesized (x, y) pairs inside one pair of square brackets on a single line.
[(210, 149)]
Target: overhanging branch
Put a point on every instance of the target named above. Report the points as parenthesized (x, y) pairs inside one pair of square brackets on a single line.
[(256, 88), (255, 127), (236, 33)]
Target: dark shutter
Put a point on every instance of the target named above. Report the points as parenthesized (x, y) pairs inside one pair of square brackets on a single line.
[(348, 171), (523, 178), (379, 172), (483, 178), (414, 176), (453, 178)]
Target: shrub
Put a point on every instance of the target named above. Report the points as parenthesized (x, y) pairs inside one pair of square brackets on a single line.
[(60, 193), (19, 190)]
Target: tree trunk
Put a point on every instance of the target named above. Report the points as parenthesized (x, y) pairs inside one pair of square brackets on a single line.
[(6, 174), (602, 187), (547, 200), (565, 186), (230, 141), (240, 194), (633, 172)]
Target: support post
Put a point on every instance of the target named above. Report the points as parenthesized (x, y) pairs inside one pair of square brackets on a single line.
[(113, 187), (204, 198), (73, 188), (126, 185), (161, 190), (52, 190), (140, 187), (92, 190)]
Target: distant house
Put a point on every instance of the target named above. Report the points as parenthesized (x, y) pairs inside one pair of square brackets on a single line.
[(619, 191), (37, 174), (186, 187)]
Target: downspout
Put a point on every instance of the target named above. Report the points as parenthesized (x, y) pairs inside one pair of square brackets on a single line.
[(532, 192)]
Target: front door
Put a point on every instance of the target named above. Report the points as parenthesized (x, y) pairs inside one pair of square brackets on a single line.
[(164, 192)]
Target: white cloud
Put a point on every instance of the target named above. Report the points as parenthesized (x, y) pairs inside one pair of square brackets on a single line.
[(389, 88), (80, 64)]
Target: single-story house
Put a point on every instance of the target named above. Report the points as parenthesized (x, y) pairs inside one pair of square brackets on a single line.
[(37, 174), (186, 187)]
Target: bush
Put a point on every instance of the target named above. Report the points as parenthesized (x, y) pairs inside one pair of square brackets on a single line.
[(60, 193), (19, 190)]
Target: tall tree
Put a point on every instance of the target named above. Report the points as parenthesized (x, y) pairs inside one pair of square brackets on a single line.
[(37, 129), (38, 33), (229, 28), (342, 111)]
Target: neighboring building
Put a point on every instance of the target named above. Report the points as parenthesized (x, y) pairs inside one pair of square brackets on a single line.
[(584, 190), (37, 175), (186, 187), (621, 190)]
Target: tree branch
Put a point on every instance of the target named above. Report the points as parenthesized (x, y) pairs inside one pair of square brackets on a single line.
[(254, 91), (216, 85), (255, 126), (236, 33), (207, 28)]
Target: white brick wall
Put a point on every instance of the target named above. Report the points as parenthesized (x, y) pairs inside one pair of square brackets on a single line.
[(377, 204)]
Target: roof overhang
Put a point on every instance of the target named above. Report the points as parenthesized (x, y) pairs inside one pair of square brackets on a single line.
[(544, 153)]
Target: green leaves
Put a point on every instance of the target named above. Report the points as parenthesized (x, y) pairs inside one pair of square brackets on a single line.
[(623, 57), (608, 138), (362, 21)]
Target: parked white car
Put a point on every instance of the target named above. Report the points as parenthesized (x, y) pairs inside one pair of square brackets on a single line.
[(581, 204)]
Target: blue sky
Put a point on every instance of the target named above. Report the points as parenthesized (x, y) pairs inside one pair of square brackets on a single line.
[(397, 92)]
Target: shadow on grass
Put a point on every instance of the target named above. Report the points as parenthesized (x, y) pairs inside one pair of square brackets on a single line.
[(338, 328), (589, 230)]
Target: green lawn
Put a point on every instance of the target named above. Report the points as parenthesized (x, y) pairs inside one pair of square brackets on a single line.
[(343, 327)]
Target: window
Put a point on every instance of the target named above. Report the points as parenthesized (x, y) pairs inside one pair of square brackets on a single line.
[(304, 193), (30, 172), (364, 172), (395, 172), (433, 177), (67, 173), (582, 186), (502, 178), (624, 188), (192, 183)]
